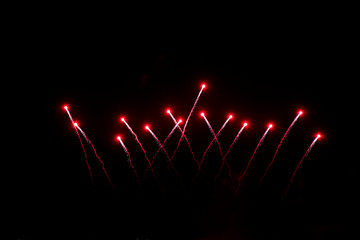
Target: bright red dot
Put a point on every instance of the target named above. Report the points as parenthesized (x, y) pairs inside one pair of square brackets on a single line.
[(147, 127), (300, 112), (318, 135), (180, 120), (202, 114), (245, 124), (231, 116), (118, 138), (168, 111), (122, 119), (66, 107), (203, 85), (270, 125), (76, 124)]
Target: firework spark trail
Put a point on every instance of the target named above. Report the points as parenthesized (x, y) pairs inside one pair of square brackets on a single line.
[(143, 150), (168, 136), (162, 146), (187, 119), (212, 132), (214, 139), (278, 147), (141, 146), (82, 145), (97, 156), (68, 112), (257, 147), (302, 159), (167, 155), (129, 160), (186, 139), (231, 146), (236, 138), (86, 160)]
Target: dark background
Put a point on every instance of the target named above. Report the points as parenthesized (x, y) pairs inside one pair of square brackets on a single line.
[(261, 66)]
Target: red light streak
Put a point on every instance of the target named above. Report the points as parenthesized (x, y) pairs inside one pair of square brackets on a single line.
[(318, 135), (278, 147)]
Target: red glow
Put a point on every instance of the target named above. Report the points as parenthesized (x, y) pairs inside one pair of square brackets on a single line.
[(76, 124), (122, 119), (230, 116), (202, 114), (147, 127), (203, 85), (318, 135), (245, 124), (270, 125), (300, 112), (66, 107), (168, 110), (180, 120), (118, 138)]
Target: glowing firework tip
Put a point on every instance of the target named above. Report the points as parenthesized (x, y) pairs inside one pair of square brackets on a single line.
[(230, 116), (203, 85), (300, 113), (318, 136), (270, 125), (202, 114), (245, 124)]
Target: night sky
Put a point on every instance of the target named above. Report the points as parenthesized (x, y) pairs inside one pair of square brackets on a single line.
[(260, 69)]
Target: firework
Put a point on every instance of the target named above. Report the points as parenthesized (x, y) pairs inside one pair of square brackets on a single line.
[(215, 136), (186, 139), (278, 147), (129, 159), (167, 155), (97, 156), (203, 86), (141, 146), (75, 124), (302, 159), (245, 124), (252, 156)]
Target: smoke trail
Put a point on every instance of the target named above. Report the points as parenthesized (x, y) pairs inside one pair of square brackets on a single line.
[(129, 160), (187, 120), (278, 147), (298, 166), (97, 156), (257, 147)]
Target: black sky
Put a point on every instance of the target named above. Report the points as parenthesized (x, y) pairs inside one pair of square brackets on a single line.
[(259, 68)]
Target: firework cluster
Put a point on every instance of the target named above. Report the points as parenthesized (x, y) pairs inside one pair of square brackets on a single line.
[(181, 126)]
